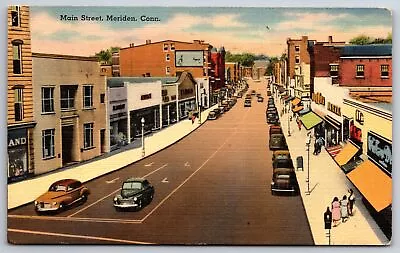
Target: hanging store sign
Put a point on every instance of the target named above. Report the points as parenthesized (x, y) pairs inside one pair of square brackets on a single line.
[(380, 151), (360, 117), (334, 108)]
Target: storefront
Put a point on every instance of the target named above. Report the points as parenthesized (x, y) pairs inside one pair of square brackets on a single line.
[(151, 116), (186, 106), (169, 113), (17, 142), (333, 134)]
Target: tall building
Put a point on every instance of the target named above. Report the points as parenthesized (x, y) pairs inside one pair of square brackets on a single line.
[(20, 119), (217, 74)]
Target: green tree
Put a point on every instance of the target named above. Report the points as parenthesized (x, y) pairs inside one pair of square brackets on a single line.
[(270, 68), (361, 40), (105, 56)]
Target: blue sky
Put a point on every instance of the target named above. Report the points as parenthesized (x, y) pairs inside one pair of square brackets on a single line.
[(238, 29)]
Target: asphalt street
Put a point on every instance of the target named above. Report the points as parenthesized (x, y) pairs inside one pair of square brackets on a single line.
[(212, 187)]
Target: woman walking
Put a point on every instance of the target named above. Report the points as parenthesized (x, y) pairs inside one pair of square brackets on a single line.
[(352, 199), (335, 211), (344, 206)]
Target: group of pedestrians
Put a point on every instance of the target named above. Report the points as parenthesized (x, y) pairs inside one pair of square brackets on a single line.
[(319, 142), (340, 210)]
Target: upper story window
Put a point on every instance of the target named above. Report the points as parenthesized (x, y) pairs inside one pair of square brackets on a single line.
[(297, 49), (172, 46), (68, 93), (88, 135), (18, 104), (297, 59), (360, 71), (334, 71), (87, 96), (48, 143), (165, 47), (167, 70), (17, 56), (167, 57), (385, 71), (15, 16), (47, 99)]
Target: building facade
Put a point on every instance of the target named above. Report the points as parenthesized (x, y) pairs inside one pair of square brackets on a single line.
[(20, 117), (70, 100)]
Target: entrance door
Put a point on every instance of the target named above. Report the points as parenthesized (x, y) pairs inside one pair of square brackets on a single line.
[(102, 140), (67, 140)]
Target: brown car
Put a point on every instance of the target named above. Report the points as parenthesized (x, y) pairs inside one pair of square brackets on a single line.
[(61, 194)]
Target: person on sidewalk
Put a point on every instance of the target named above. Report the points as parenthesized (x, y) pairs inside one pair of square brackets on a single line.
[(352, 200), (344, 206), (320, 141), (328, 218), (335, 211), (193, 118), (316, 148), (299, 124)]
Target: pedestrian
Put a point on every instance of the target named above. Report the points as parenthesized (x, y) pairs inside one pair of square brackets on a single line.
[(299, 124), (335, 211), (320, 141), (193, 118), (316, 148), (344, 206), (352, 200)]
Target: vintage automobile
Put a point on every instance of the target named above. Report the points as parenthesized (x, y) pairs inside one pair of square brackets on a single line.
[(258, 95), (280, 154), (282, 161), (212, 115), (218, 111), (274, 129), (277, 141), (248, 96), (268, 93), (61, 194), (253, 92), (272, 118), (239, 95), (135, 193), (260, 99), (247, 103), (283, 180)]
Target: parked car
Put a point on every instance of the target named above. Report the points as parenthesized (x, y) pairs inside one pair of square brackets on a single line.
[(239, 95), (248, 96), (258, 95), (212, 115), (217, 111), (277, 141), (134, 194), (281, 154), (271, 103), (274, 129), (268, 93), (271, 109), (221, 109), (247, 103), (61, 194), (282, 161), (253, 92), (272, 118), (260, 99), (283, 180)]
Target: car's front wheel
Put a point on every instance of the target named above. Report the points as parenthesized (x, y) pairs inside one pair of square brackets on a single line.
[(84, 197)]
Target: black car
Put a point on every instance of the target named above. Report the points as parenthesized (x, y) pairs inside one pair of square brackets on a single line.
[(247, 103), (134, 194), (284, 181), (212, 115), (260, 99), (277, 142), (217, 111), (272, 118)]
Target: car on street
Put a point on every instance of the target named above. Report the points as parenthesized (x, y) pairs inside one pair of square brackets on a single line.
[(280, 154), (282, 161), (248, 96), (271, 103), (135, 194), (247, 103), (260, 99), (272, 117), (274, 129), (277, 141), (221, 109), (268, 93), (258, 95), (283, 181), (60, 195), (212, 115), (253, 92), (239, 95), (217, 111)]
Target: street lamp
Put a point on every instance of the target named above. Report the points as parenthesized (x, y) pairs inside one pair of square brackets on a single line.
[(308, 142), (200, 112), (143, 152), (288, 121)]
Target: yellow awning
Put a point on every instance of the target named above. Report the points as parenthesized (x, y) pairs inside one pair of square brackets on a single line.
[(296, 101), (373, 184), (298, 108), (346, 154)]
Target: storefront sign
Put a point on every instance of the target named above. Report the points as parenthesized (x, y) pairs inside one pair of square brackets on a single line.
[(145, 96), (380, 151), (360, 117), (334, 108), (189, 58), (17, 153), (17, 138), (118, 107), (318, 98)]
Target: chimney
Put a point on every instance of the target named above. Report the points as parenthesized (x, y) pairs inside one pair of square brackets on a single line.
[(148, 42), (330, 39), (132, 45), (304, 38), (196, 41)]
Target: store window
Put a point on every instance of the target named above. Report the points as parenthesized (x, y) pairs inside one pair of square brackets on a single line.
[(17, 56), (88, 135), (18, 104), (87, 96), (47, 99), (15, 16), (48, 143), (360, 71), (385, 71)]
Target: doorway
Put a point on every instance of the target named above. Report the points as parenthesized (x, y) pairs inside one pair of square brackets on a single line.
[(67, 141)]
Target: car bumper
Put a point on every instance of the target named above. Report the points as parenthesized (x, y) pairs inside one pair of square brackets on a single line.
[(276, 189), (45, 209), (126, 205)]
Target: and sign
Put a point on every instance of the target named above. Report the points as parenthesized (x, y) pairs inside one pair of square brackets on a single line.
[(189, 58), (380, 151), (17, 137), (334, 108)]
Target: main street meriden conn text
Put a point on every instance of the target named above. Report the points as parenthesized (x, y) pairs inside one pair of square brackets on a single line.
[(112, 18)]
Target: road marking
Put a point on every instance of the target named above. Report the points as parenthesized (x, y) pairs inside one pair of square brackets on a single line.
[(187, 164), (55, 218), (76, 236), (112, 181), (99, 200), (150, 164), (165, 180)]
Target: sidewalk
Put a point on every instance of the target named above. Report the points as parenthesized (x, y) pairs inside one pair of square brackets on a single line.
[(26, 191), (327, 180)]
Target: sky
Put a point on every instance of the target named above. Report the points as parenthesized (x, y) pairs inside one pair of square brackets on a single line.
[(256, 30)]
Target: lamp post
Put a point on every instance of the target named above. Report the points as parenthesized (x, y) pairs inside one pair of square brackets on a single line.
[(200, 112), (288, 121), (143, 151), (308, 162)]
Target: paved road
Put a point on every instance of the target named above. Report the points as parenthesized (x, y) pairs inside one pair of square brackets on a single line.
[(212, 187)]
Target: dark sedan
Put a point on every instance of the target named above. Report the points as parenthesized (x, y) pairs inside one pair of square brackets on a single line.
[(135, 193)]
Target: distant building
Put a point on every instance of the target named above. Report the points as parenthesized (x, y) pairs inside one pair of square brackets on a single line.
[(232, 71), (259, 69)]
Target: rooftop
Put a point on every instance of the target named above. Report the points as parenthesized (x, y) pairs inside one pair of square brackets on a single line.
[(367, 50), (119, 81)]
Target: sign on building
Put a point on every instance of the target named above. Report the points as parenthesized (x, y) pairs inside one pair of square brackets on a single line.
[(186, 58), (380, 151)]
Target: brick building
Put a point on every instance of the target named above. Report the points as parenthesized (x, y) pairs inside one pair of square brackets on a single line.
[(217, 75), (232, 70), (20, 119)]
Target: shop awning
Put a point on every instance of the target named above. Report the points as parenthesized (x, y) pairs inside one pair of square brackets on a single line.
[(281, 89), (310, 120), (288, 99), (298, 109), (296, 101), (304, 111), (373, 184), (348, 151)]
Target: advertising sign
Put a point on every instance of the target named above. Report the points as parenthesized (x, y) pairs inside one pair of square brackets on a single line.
[(380, 151), (189, 58)]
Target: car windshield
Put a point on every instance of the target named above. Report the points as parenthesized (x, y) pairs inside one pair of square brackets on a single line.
[(58, 188), (132, 186)]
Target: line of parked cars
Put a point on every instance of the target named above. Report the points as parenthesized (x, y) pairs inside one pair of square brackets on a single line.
[(225, 106), (283, 176)]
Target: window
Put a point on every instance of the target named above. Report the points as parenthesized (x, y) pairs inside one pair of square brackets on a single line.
[(165, 47), (167, 70), (48, 143), (360, 71), (47, 99), (384, 71), (87, 96), (297, 49), (88, 135), (172, 46), (17, 55), (167, 57), (15, 16), (18, 104), (334, 70), (102, 98), (68, 97), (297, 59)]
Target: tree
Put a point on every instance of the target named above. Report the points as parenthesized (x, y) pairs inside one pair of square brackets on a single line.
[(272, 61), (361, 40), (105, 56), (245, 59)]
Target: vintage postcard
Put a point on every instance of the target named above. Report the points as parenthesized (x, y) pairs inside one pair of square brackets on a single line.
[(199, 125)]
